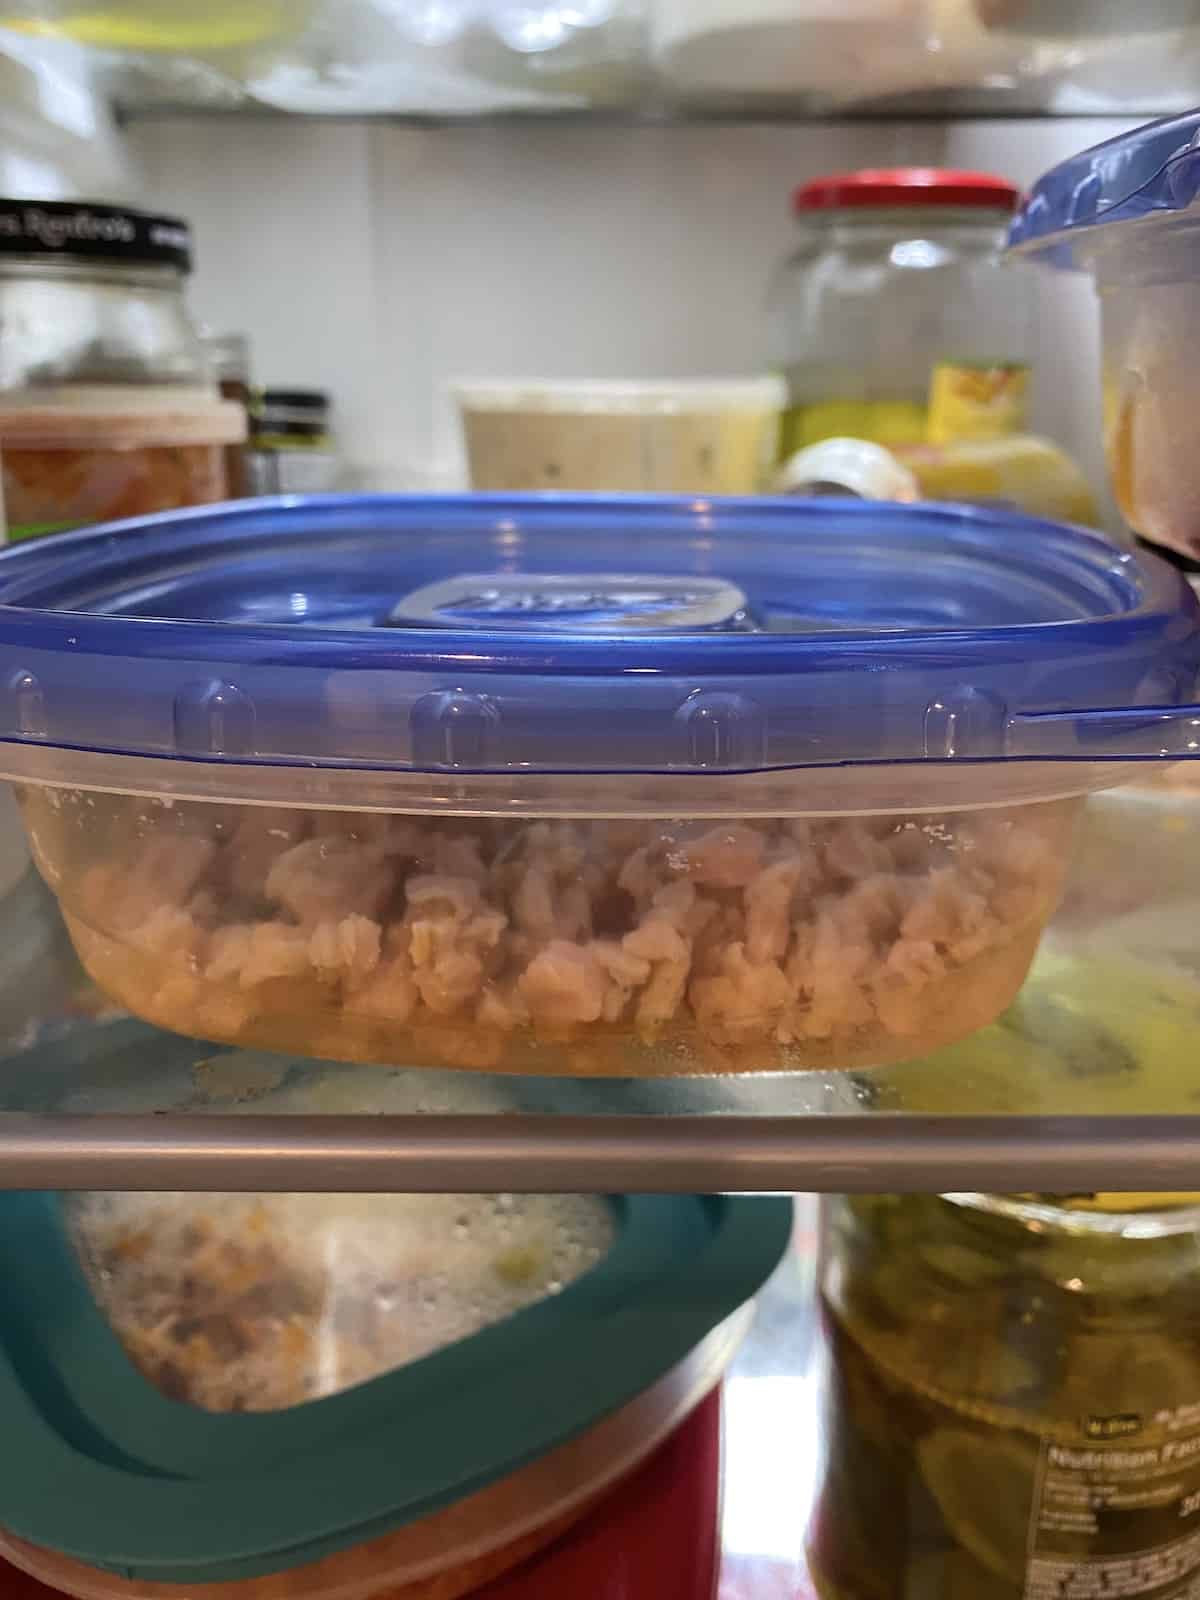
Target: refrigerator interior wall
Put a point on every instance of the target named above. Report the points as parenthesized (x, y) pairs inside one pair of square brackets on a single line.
[(380, 261)]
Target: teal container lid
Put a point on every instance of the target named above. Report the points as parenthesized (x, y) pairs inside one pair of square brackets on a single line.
[(100, 1466)]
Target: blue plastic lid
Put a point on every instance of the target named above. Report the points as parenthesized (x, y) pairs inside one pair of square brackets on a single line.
[(788, 634), (1151, 171), (101, 1466)]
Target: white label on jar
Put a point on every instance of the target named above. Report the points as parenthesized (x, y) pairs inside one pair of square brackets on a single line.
[(1119, 1521)]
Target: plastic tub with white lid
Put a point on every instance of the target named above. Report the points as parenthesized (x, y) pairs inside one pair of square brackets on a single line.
[(697, 435)]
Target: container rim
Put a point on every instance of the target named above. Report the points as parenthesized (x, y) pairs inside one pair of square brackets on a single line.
[(1153, 171), (624, 396)]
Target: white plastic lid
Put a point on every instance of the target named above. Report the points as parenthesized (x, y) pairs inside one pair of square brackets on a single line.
[(117, 418), (847, 466), (636, 396)]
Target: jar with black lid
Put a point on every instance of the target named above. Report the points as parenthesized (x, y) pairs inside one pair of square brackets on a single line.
[(95, 294), (290, 444), (107, 402)]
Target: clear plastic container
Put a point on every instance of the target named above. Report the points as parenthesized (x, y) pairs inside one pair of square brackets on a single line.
[(694, 436), (1013, 1398), (801, 795), (602, 947), (1126, 212), (895, 320)]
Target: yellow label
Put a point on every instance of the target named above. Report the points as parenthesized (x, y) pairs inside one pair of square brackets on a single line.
[(886, 422), (977, 402)]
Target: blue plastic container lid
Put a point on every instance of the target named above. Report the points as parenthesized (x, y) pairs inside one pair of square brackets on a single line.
[(1155, 170), (100, 1466), (693, 636)]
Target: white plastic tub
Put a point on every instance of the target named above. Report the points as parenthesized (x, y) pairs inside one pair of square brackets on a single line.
[(693, 436)]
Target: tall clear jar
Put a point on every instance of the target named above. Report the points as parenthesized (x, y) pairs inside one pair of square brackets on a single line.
[(895, 318), (108, 406), (1012, 1409)]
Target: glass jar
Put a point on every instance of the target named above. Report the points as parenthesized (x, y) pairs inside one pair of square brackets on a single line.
[(896, 320), (94, 294), (1012, 1409), (107, 402), (291, 448)]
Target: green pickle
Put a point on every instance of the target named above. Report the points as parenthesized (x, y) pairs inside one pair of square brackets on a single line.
[(1011, 1409)]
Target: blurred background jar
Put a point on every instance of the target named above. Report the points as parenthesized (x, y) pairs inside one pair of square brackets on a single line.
[(895, 319), (229, 354), (108, 407), (291, 447), (1012, 1404)]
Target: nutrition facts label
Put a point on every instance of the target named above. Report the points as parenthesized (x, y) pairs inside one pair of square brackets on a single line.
[(1118, 1521)]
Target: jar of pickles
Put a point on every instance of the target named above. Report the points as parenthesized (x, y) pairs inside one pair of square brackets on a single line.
[(107, 404), (895, 320), (1012, 1408)]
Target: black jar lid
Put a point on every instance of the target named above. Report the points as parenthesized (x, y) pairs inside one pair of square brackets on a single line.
[(312, 400), (81, 230)]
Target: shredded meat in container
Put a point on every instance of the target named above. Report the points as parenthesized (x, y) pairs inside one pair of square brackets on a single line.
[(620, 947), (244, 1302)]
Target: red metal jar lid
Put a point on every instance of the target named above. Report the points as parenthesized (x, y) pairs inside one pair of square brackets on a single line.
[(906, 186)]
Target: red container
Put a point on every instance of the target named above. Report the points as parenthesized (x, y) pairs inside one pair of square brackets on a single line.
[(653, 1538)]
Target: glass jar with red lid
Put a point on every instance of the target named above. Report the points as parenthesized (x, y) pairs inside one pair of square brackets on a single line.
[(895, 319)]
